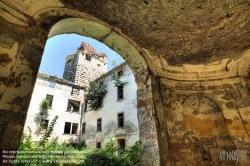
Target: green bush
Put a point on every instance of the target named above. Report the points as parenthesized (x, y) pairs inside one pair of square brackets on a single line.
[(106, 156), (75, 153)]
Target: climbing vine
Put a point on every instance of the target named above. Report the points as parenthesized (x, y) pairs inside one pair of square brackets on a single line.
[(117, 81), (48, 133), (95, 95)]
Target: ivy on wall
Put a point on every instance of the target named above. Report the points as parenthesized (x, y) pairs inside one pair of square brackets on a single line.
[(95, 95)]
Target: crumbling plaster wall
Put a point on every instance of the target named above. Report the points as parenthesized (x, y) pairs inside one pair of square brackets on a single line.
[(61, 93), (109, 110), (202, 123), (23, 36), (27, 57)]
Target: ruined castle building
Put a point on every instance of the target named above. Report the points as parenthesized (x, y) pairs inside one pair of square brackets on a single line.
[(66, 101), (116, 119), (190, 59), (85, 65)]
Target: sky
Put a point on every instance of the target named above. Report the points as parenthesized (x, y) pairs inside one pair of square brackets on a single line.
[(60, 46)]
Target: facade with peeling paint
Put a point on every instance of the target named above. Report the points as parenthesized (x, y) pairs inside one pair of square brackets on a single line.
[(66, 99), (191, 61), (116, 120)]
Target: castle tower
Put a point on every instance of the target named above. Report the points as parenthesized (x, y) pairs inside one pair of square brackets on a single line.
[(85, 65)]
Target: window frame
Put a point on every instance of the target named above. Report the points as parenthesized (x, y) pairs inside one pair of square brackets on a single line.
[(98, 145), (88, 57), (50, 98), (71, 128), (83, 127), (78, 106), (119, 152), (46, 124), (99, 125), (118, 120), (120, 73), (120, 88), (51, 84)]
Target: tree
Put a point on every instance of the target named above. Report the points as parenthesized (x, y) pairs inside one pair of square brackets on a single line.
[(95, 95)]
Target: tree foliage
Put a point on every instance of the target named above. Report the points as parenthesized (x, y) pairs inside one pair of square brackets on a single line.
[(44, 106), (117, 81), (48, 133), (95, 95), (107, 156)]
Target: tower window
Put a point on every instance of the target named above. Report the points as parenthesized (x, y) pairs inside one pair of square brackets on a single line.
[(88, 57)]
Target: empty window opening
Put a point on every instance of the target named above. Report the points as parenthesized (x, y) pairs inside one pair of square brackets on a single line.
[(120, 73), (120, 92), (83, 128), (52, 84), (44, 124), (98, 145), (73, 106), (74, 128), (121, 145), (67, 128), (99, 124), (75, 92), (120, 120), (88, 57), (100, 101), (50, 99), (71, 128)]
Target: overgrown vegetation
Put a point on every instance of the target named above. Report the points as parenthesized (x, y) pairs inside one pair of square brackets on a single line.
[(74, 153), (106, 156), (44, 106), (47, 153), (48, 132), (117, 81), (95, 95)]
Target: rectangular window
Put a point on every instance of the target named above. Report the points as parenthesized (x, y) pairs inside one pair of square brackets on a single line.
[(99, 124), (120, 73), (67, 128), (98, 145), (44, 124), (120, 120), (71, 128), (52, 84), (50, 99), (120, 92), (83, 128), (74, 128), (121, 145), (73, 106), (75, 92)]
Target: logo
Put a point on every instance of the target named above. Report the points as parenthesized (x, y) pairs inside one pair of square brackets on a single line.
[(233, 155)]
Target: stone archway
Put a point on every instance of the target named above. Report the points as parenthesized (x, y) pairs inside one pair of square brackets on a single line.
[(207, 53), (24, 58)]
